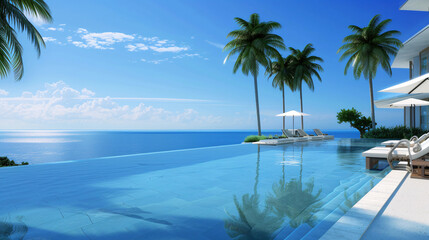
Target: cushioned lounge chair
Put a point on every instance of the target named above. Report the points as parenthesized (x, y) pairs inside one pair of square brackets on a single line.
[(412, 140), (288, 133), (302, 133), (324, 135), (395, 154)]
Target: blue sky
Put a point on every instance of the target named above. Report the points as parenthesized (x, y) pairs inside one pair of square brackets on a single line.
[(159, 65)]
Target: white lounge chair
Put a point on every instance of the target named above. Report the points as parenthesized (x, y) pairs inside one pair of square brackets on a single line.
[(290, 135), (412, 140), (408, 154), (324, 135), (302, 133)]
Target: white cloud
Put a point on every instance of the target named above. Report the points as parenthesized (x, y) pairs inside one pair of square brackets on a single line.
[(156, 61), (79, 44), (62, 25), (218, 45), (187, 55), (155, 44), (82, 30), (87, 93), (104, 40), (149, 39), (137, 46), (168, 49), (184, 55), (58, 101), (49, 39), (3, 92), (55, 29)]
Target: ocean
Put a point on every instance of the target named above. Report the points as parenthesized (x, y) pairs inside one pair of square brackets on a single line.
[(49, 146)]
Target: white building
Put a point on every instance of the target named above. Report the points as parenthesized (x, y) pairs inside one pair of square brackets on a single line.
[(414, 55)]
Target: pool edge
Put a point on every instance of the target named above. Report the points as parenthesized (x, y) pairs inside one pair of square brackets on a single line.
[(357, 220)]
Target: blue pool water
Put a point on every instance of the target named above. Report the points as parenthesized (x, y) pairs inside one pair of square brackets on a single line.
[(54, 146), (244, 191)]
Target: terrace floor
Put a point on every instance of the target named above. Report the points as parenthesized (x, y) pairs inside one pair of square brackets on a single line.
[(406, 215)]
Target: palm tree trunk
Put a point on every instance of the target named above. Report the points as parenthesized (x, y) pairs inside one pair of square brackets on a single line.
[(284, 109), (255, 78), (372, 102), (302, 108)]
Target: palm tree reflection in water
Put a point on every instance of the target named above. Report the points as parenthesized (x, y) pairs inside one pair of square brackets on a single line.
[(13, 230), (252, 221), (290, 201)]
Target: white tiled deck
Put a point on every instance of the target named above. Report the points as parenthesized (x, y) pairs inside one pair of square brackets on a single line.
[(407, 214)]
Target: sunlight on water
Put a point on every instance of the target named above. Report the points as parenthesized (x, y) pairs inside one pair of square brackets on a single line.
[(37, 140), (38, 133)]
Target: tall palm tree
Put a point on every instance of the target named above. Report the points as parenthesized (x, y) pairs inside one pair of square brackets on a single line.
[(254, 43), (282, 78), (12, 15), (367, 49), (305, 66)]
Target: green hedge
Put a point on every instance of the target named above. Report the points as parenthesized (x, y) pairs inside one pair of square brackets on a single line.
[(254, 138), (6, 162), (398, 132)]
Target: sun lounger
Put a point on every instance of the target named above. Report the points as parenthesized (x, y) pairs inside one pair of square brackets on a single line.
[(288, 133), (408, 154), (412, 140), (324, 135), (302, 133)]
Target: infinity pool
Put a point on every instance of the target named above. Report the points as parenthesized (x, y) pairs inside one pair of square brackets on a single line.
[(245, 191)]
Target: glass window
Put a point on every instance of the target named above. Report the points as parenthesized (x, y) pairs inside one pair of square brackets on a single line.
[(424, 62), (424, 117), (424, 65)]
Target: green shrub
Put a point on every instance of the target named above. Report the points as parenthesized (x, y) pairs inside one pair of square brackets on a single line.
[(356, 120), (398, 132), (254, 138), (6, 162)]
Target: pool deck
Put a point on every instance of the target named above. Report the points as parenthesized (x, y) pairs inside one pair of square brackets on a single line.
[(396, 208), (406, 215)]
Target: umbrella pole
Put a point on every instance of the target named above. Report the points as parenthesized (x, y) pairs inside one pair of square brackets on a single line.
[(293, 124)]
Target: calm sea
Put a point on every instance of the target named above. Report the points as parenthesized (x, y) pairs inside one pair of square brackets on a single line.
[(55, 146)]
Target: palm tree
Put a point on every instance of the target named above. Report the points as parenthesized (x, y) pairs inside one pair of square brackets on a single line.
[(367, 49), (12, 14), (282, 77), (304, 66), (254, 43)]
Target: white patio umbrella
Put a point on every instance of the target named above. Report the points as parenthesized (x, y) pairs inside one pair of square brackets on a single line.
[(417, 85), (409, 102), (292, 114)]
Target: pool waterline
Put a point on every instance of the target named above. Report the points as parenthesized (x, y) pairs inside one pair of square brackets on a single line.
[(194, 193)]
